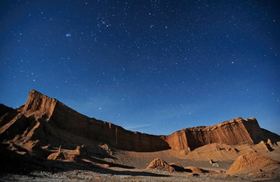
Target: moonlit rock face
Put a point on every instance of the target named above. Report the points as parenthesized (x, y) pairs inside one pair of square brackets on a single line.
[(160, 164), (48, 112), (50, 131)]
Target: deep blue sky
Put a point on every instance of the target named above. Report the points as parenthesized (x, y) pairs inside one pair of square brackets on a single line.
[(152, 66)]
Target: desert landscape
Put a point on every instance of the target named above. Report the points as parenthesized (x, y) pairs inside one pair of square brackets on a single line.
[(125, 90), (45, 140)]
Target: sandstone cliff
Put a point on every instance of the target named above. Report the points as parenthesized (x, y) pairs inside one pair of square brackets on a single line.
[(46, 121), (234, 132)]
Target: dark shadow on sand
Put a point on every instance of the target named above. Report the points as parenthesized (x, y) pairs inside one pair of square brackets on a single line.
[(12, 163)]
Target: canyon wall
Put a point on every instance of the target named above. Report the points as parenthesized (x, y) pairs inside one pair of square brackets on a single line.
[(49, 121), (231, 132), (64, 118)]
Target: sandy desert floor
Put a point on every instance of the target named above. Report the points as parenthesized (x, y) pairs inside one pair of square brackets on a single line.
[(125, 175), (134, 168)]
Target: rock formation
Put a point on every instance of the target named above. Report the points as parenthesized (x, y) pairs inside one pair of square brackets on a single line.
[(252, 163), (160, 164), (43, 121), (65, 155), (48, 121), (214, 151), (233, 132)]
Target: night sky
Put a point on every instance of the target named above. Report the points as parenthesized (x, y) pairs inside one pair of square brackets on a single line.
[(153, 66)]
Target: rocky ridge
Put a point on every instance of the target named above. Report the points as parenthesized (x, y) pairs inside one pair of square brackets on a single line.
[(46, 121)]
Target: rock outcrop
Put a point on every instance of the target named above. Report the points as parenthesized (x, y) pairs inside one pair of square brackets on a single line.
[(48, 121), (214, 151), (234, 132), (253, 163), (45, 121), (160, 164), (65, 155)]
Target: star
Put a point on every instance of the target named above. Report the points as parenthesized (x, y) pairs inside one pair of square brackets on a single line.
[(139, 49), (68, 35)]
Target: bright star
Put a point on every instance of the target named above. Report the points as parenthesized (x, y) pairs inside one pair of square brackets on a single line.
[(68, 35)]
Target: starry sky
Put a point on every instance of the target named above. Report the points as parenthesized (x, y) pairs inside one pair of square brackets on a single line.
[(152, 66)]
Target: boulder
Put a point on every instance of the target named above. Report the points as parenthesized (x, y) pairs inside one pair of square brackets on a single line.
[(160, 164)]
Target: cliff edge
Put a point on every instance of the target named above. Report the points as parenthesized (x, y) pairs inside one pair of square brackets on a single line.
[(46, 121)]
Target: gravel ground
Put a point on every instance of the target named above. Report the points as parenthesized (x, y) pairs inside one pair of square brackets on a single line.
[(144, 175)]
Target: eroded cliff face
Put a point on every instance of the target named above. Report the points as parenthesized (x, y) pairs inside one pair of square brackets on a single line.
[(46, 121), (234, 132), (38, 105), (97, 130), (178, 140), (230, 132)]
